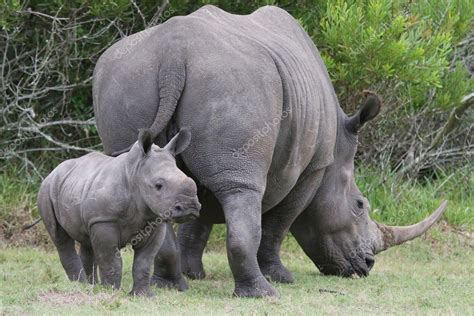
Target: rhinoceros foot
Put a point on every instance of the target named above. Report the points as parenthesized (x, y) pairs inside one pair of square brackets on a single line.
[(178, 283), (277, 273), (193, 268), (258, 287), (144, 292)]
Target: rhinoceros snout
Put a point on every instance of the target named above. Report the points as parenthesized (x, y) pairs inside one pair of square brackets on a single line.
[(188, 187), (185, 211)]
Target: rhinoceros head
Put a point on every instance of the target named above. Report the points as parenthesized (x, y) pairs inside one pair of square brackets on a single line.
[(335, 231), (161, 185)]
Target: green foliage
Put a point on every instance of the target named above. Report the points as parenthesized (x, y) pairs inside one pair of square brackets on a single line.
[(385, 43), (456, 83), (7, 9)]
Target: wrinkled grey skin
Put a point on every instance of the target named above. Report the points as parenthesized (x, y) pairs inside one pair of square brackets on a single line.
[(270, 141), (104, 203)]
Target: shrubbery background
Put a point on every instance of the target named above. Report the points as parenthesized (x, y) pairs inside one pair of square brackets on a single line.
[(418, 55)]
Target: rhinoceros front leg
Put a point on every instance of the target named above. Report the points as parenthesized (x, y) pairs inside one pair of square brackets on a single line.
[(277, 221), (167, 272), (143, 261), (192, 238), (242, 210), (105, 244), (274, 229)]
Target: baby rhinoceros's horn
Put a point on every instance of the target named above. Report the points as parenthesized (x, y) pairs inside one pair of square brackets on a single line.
[(396, 235)]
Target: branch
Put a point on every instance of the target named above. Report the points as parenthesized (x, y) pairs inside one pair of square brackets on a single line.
[(156, 18), (62, 88), (61, 144), (438, 140), (452, 121), (67, 122), (29, 11)]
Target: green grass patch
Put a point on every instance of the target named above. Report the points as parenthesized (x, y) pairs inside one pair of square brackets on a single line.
[(431, 275), (396, 201)]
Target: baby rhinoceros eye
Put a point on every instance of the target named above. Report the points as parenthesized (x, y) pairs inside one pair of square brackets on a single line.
[(360, 204), (158, 186)]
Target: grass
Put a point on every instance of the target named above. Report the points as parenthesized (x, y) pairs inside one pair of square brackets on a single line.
[(397, 201), (432, 275)]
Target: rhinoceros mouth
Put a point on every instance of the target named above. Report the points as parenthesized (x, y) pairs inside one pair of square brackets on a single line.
[(350, 268)]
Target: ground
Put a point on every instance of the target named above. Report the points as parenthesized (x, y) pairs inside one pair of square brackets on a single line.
[(431, 275)]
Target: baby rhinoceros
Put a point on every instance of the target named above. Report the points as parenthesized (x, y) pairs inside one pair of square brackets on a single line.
[(104, 202)]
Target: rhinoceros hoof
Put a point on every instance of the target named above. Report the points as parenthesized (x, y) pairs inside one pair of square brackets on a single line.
[(144, 292), (194, 271), (258, 287), (179, 284), (277, 273)]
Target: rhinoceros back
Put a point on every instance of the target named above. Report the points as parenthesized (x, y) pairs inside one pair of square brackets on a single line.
[(128, 92)]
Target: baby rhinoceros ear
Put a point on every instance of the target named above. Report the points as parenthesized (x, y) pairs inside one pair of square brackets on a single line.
[(145, 140), (179, 142)]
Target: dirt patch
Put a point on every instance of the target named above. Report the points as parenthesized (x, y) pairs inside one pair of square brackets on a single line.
[(73, 298), (13, 234)]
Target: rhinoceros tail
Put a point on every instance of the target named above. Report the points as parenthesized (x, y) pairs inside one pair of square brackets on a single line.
[(46, 210), (171, 79)]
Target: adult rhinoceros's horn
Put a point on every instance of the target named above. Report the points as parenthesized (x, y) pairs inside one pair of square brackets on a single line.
[(396, 235)]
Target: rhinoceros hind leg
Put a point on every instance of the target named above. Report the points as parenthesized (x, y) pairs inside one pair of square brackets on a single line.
[(64, 243), (242, 211), (167, 272), (192, 237), (69, 258)]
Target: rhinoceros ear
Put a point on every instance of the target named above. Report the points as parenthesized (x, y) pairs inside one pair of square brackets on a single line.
[(145, 140), (179, 142), (368, 111)]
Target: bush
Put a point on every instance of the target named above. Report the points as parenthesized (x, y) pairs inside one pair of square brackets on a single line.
[(402, 46)]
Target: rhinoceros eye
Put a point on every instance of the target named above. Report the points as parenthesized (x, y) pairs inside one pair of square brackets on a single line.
[(358, 207), (158, 186)]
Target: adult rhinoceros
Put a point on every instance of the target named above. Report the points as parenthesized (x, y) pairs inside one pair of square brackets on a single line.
[(271, 146)]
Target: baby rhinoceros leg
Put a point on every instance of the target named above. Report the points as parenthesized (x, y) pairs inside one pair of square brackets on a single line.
[(68, 256), (167, 272), (88, 261), (105, 245), (64, 243), (144, 256)]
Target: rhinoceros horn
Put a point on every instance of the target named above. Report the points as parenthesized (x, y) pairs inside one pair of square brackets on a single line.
[(396, 235)]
